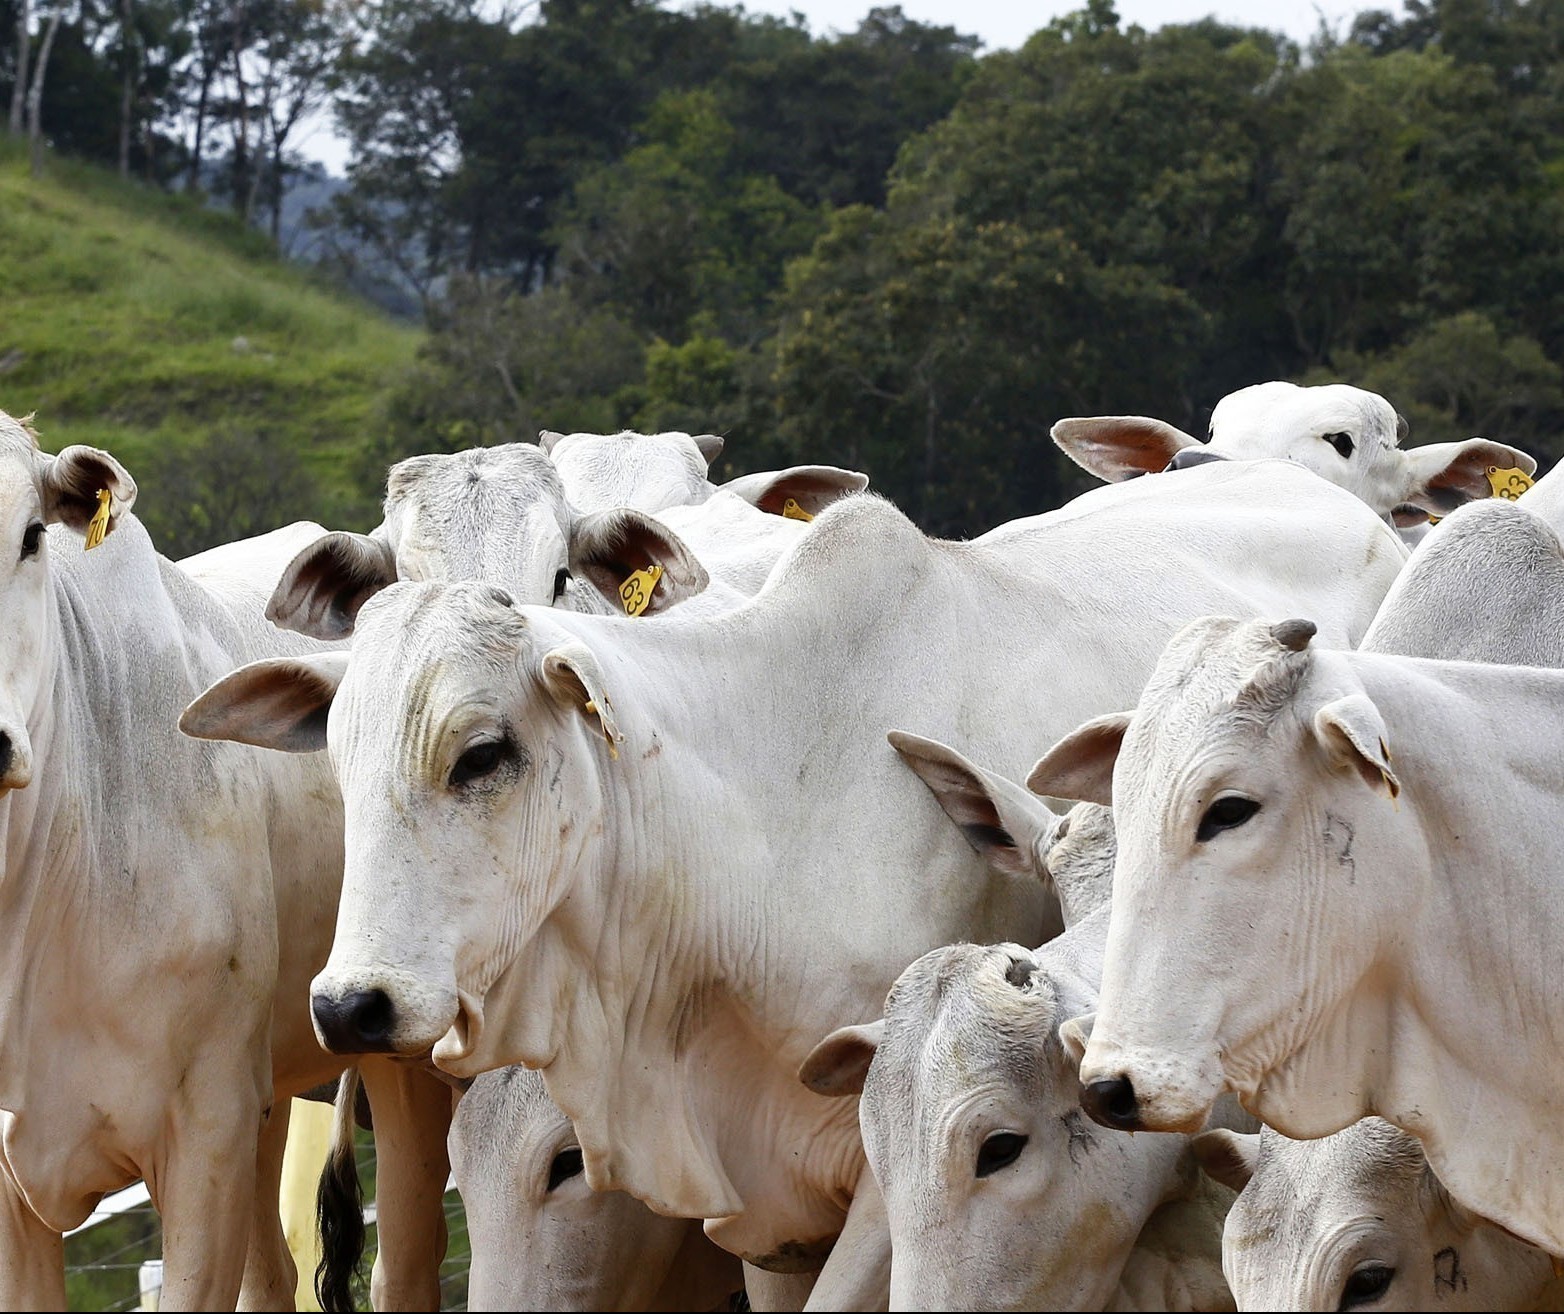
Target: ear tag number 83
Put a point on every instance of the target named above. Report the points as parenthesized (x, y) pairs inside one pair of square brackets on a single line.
[(1508, 484)]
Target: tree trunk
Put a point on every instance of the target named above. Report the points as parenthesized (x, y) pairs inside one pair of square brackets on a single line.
[(194, 182), (128, 83), (35, 94), (24, 19)]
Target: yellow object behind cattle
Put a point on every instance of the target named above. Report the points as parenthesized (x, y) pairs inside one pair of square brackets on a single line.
[(309, 1141)]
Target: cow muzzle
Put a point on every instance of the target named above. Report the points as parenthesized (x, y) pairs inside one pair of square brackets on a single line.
[(379, 1013), (16, 758), (1148, 1092)]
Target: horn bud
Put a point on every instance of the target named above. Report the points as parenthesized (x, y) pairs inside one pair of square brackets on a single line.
[(1294, 635)]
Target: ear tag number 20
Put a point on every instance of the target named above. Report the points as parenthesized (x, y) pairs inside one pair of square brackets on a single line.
[(636, 592)]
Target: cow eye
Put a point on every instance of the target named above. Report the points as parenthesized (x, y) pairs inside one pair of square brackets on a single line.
[(999, 1151), (1224, 814), (480, 760), (1366, 1285), (562, 578), (567, 1164), (30, 539), (1342, 442)]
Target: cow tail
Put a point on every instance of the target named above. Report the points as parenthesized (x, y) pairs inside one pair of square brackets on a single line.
[(339, 1208)]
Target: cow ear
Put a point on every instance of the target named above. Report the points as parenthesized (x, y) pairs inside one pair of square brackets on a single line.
[(573, 677), (1074, 1034), (1353, 734), (1080, 766), (710, 446), (1007, 827), (281, 703), (811, 488), (322, 589), (839, 1064), (1226, 1156), (1119, 447), (1443, 476), (71, 484), (547, 438), (608, 547)]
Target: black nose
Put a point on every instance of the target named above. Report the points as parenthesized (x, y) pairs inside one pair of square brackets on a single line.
[(359, 1023), (1111, 1102), (1193, 456), (5, 752)]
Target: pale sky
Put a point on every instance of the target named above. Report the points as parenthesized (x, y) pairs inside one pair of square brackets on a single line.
[(1001, 24)]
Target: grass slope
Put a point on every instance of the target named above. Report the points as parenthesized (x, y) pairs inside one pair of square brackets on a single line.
[(237, 389)]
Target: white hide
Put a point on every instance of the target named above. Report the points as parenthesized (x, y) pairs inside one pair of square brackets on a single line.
[(1359, 1221), (1000, 1193), (1322, 956), (143, 1034), (541, 1239), (660, 860), (647, 471), (1347, 435), (1486, 585)]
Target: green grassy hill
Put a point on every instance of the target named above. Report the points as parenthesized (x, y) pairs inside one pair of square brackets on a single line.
[(238, 390)]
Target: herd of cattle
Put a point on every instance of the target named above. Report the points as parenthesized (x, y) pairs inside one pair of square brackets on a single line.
[(666, 877)]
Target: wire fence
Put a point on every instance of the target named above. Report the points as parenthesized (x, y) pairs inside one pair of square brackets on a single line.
[(103, 1257)]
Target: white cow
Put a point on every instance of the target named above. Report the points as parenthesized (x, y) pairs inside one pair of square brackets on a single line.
[(1347, 435), (1486, 585), (1324, 818), (999, 1193), (506, 515), (146, 1029), (541, 1239), (1357, 1221), (659, 860)]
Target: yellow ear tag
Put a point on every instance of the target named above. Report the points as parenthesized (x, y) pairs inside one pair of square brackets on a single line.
[(636, 592), (1508, 484), (98, 526), (793, 511)]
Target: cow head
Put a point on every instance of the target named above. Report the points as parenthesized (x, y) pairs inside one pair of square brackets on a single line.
[(1358, 1220), (497, 514), (1347, 435), (542, 1239), (1000, 1193), (470, 740), (37, 491), (647, 471), (1251, 783)]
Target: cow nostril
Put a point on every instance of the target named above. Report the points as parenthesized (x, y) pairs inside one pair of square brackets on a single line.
[(1111, 1101), (358, 1023)]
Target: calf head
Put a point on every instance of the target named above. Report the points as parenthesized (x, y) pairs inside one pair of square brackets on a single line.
[(1000, 1194), (498, 514), (1251, 784), (37, 491), (469, 739), (1359, 1221), (541, 1238)]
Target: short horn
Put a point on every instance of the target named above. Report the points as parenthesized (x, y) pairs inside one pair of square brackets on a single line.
[(1294, 635)]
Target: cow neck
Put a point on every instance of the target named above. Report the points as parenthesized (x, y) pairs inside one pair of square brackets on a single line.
[(741, 974), (1454, 1040)]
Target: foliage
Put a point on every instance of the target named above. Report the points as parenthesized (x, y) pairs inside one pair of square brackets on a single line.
[(164, 332)]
